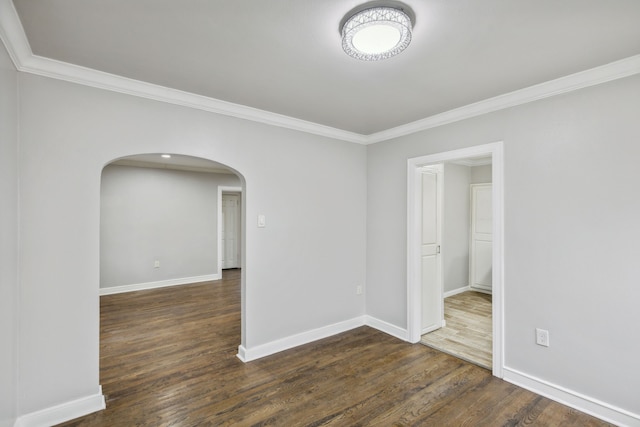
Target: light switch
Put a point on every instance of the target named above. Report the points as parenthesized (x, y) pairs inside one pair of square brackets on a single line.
[(262, 221)]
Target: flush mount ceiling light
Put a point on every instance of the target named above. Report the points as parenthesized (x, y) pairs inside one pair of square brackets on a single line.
[(376, 33)]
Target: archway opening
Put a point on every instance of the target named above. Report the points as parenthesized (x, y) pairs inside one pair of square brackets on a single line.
[(166, 304)]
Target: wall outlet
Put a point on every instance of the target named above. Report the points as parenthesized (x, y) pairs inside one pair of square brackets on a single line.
[(359, 290), (542, 337), (156, 264)]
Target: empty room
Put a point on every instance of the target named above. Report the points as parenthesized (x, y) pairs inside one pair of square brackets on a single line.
[(255, 212)]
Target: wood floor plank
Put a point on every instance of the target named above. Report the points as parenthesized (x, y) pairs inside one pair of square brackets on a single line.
[(468, 330), (168, 358)]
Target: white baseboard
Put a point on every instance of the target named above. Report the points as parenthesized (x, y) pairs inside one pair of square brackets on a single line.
[(263, 350), (457, 291), (159, 284), (386, 327), (578, 401), (241, 354), (63, 412)]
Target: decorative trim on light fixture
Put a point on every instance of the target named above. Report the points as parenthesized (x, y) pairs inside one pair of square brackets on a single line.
[(376, 33)]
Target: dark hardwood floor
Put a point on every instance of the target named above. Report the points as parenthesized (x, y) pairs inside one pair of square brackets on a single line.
[(168, 358)]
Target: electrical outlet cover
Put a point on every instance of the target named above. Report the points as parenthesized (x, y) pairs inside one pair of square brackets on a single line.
[(542, 337)]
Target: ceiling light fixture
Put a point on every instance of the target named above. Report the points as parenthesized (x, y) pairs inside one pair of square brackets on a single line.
[(376, 33), (166, 156)]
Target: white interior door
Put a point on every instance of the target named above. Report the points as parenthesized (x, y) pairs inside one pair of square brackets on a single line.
[(432, 303), (481, 246), (230, 231)]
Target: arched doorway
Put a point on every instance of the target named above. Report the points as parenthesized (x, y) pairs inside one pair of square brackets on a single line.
[(161, 283), (160, 221)]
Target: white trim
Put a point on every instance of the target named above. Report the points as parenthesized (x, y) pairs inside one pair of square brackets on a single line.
[(413, 244), (159, 284), (591, 77), (457, 291), (15, 40), (263, 350), (573, 399), (414, 329), (498, 278), (85, 76), (267, 349), (13, 35), (225, 189), (63, 412), (472, 163), (386, 327), (242, 353)]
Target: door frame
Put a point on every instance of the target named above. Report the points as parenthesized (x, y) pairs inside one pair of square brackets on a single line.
[(225, 189), (414, 313)]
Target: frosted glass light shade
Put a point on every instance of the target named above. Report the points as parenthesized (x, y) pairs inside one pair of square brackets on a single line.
[(376, 33)]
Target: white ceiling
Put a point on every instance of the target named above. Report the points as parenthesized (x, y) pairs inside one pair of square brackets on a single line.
[(285, 56)]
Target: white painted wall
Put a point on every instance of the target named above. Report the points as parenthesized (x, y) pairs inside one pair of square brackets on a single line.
[(480, 174), (300, 271), (455, 233), (570, 191), (571, 234), (8, 237), (158, 214)]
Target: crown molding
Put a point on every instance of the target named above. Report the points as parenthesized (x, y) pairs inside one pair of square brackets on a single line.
[(14, 38), (594, 76), (85, 76), (12, 33)]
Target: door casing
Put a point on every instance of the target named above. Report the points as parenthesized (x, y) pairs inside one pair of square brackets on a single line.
[(414, 210)]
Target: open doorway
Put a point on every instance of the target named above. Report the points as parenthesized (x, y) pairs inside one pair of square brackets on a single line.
[(160, 237), (229, 228), (465, 327), (416, 286), (160, 221)]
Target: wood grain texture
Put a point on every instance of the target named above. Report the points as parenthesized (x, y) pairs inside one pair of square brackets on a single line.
[(168, 358), (468, 330)]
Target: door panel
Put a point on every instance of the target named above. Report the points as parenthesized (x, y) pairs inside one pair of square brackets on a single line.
[(430, 254), (481, 258), (483, 270)]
